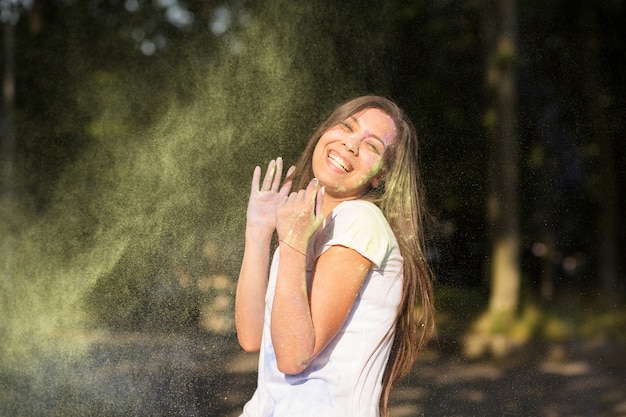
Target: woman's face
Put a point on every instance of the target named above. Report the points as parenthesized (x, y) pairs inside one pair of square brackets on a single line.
[(349, 156)]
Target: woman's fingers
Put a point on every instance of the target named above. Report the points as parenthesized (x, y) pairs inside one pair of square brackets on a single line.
[(312, 192), (319, 204), (284, 190), (269, 176), (278, 173), (273, 176), (316, 201), (256, 178), (301, 213), (306, 199)]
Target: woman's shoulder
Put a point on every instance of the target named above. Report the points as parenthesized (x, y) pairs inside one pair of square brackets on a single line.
[(361, 214), (359, 206), (360, 225)]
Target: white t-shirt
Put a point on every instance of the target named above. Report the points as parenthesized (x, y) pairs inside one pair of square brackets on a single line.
[(345, 379)]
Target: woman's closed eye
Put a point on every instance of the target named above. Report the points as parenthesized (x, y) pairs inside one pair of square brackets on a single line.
[(346, 126), (374, 145), (372, 142)]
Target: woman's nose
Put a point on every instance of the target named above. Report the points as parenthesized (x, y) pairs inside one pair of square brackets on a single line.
[(352, 144)]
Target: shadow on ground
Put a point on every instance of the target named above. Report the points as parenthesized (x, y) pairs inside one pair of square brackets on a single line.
[(547, 380), (174, 375)]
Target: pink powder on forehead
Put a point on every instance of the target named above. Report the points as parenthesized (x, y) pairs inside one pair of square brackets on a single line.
[(385, 139)]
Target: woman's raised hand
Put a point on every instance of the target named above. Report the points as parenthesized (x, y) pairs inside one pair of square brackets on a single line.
[(300, 215), (265, 197)]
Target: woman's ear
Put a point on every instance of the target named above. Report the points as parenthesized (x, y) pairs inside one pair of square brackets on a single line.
[(375, 182)]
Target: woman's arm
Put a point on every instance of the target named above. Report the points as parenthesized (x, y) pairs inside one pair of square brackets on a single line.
[(253, 275), (305, 320), (251, 288)]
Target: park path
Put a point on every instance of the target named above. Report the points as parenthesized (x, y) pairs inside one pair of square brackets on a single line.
[(573, 379), (139, 374)]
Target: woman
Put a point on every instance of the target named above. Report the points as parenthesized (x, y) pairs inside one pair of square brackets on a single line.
[(334, 315)]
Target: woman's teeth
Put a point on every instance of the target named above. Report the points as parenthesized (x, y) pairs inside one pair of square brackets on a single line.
[(338, 162)]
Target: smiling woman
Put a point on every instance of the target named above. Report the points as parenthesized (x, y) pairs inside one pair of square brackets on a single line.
[(348, 157), (334, 314)]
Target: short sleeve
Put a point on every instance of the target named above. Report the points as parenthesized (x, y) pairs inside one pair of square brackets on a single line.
[(358, 225)]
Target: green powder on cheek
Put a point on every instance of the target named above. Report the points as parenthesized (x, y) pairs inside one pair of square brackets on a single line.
[(367, 177)]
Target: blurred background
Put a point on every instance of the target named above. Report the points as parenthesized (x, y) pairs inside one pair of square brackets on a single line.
[(130, 130)]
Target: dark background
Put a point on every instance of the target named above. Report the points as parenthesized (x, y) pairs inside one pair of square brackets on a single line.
[(130, 130)]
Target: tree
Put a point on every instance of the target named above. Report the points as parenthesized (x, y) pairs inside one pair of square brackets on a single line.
[(500, 35), (600, 133), (10, 11)]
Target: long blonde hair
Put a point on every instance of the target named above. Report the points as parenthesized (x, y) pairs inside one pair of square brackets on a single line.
[(400, 196)]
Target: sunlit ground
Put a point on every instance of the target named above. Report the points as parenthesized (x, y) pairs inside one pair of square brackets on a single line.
[(543, 379), (153, 374), (565, 361)]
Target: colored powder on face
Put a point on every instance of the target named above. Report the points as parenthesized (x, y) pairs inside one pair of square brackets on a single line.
[(387, 138), (383, 140), (376, 168)]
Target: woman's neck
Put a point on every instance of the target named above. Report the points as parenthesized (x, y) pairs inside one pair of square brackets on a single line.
[(330, 202)]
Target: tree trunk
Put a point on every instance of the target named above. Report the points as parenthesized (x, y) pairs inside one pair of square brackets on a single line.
[(7, 145), (503, 199), (500, 34), (7, 133), (601, 134)]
